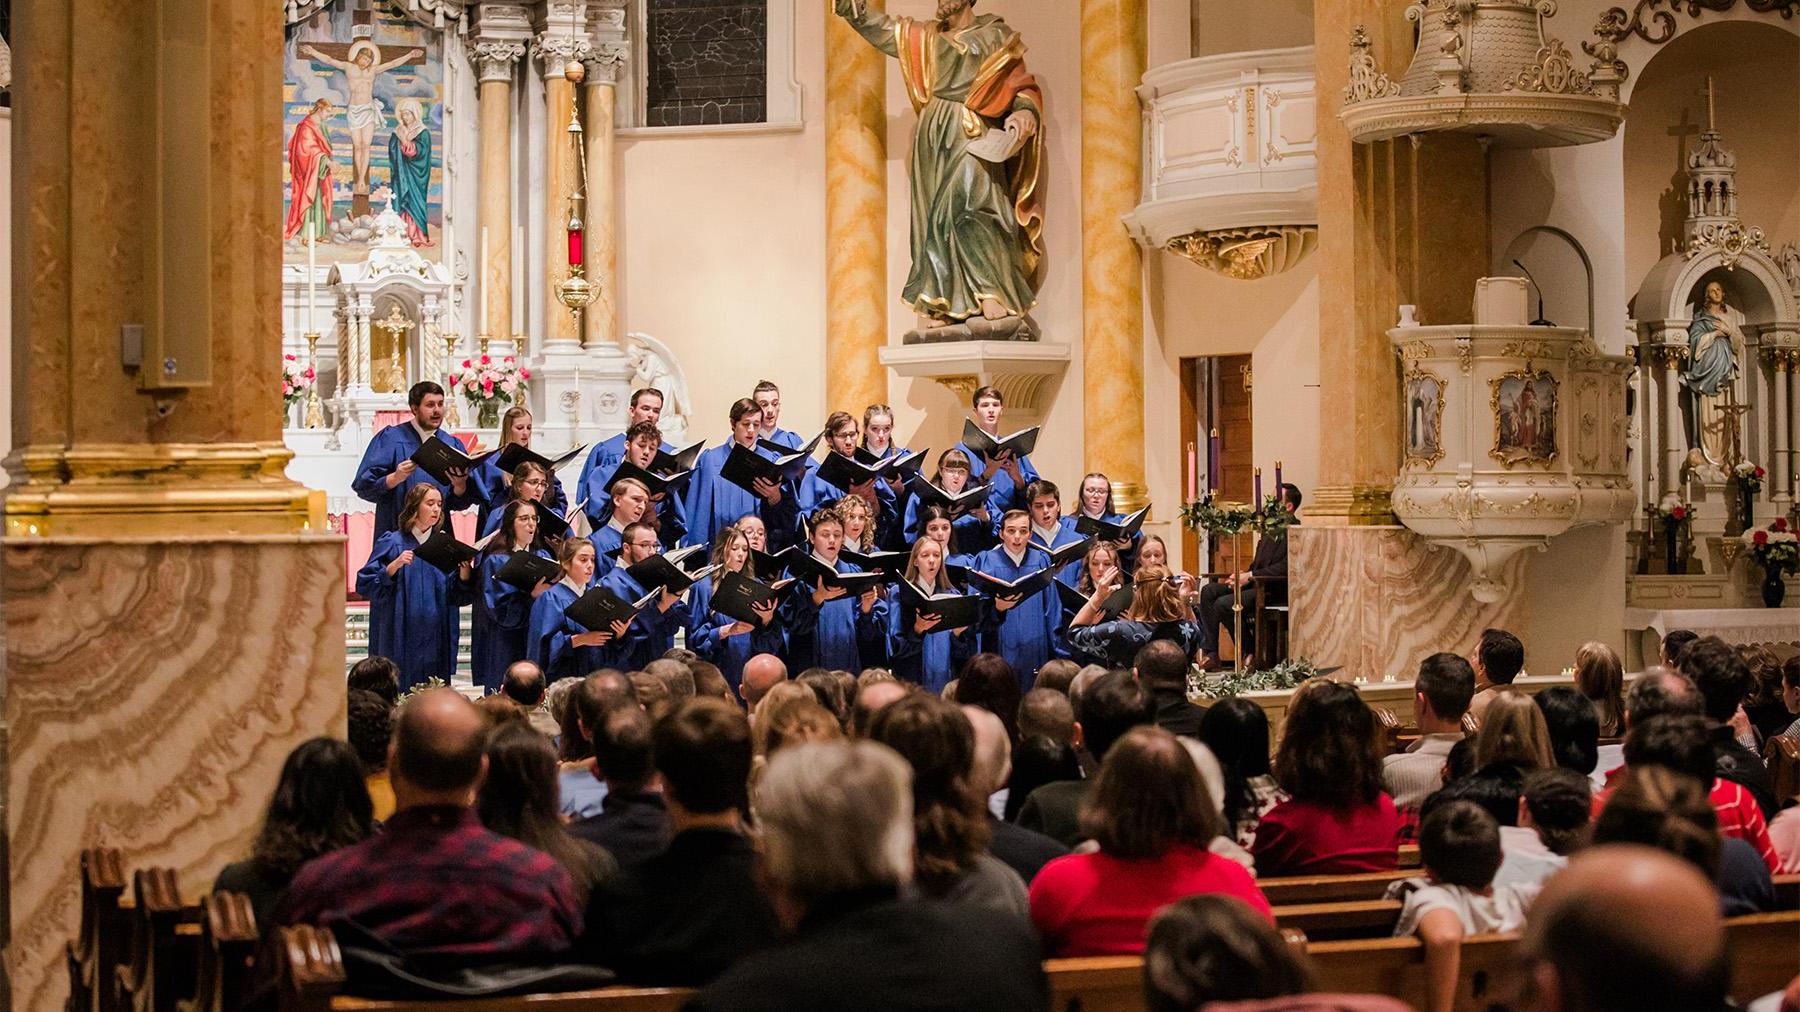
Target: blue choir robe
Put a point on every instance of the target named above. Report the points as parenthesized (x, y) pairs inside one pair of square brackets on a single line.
[(893, 535), (1116, 643), (1128, 557), (607, 542), (601, 464), (548, 637), (929, 660), (837, 634), (494, 493), (714, 504), (1025, 634), (413, 613), (391, 447), (969, 533), (978, 468), (502, 620), (783, 437), (728, 652), (1064, 534), (652, 632)]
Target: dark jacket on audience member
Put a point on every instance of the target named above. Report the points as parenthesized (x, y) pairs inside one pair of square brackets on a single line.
[(1732, 761), (1023, 850), (1055, 810), (261, 881), (633, 828), (875, 953), (682, 917), (1175, 714)]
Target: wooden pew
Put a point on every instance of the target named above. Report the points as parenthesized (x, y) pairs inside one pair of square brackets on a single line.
[(99, 945), (165, 945), (1292, 889), (1096, 984), (1353, 919), (227, 948), (1783, 755)]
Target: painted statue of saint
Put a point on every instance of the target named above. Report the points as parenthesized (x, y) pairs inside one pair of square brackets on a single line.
[(309, 169), (977, 218), (1713, 345), (409, 161)]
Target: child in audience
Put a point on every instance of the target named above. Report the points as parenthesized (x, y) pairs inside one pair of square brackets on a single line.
[(1459, 849), (1554, 811)]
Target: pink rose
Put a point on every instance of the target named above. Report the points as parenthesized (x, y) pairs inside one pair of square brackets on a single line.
[(1761, 538), (524, 374), (468, 364), (487, 387), (508, 386), (485, 360)]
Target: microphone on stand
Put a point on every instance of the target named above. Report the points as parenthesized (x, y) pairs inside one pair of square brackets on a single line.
[(1540, 321)]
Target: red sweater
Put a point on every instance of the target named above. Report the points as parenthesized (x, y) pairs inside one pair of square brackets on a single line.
[(1305, 838), (1099, 905)]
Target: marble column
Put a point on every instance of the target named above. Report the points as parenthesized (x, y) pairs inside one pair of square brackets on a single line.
[(1778, 360), (1674, 439), (559, 180), (856, 299), (173, 624), (1112, 326), (600, 321), (497, 61)]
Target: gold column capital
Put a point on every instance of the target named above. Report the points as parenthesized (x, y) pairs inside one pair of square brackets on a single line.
[(137, 489), (1352, 506)]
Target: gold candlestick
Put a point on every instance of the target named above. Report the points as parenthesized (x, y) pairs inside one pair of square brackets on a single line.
[(315, 410), (451, 395), (481, 341), (522, 343)]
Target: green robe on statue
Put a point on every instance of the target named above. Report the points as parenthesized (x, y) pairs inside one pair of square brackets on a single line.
[(977, 226)]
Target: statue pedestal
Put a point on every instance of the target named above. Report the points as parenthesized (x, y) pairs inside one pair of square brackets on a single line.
[(1010, 328), (580, 394), (1023, 370)]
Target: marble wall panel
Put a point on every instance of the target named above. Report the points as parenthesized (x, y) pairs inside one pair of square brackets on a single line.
[(1377, 600), (153, 690)]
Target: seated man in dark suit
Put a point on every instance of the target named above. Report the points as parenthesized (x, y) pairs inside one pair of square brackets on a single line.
[(1111, 705), (685, 916), (633, 825), (1162, 669), (837, 843), (434, 881), (1269, 563)]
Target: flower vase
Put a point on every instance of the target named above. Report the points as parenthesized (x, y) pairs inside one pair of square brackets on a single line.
[(1672, 547), (487, 415), (1773, 589)]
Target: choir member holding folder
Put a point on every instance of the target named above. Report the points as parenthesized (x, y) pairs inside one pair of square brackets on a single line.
[(971, 516), (1026, 611), (511, 575), (414, 590), (715, 503), (1156, 612), (630, 505), (929, 635), (935, 521), (1094, 516), (663, 475), (494, 476), (529, 482), (1044, 503), (646, 406), (834, 614), (731, 614), (652, 630), (1002, 461), (558, 644), (391, 467)]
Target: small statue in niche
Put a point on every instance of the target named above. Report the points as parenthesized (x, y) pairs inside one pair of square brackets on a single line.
[(1715, 341)]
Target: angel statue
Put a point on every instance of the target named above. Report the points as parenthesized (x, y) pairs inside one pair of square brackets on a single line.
[(977, 217)]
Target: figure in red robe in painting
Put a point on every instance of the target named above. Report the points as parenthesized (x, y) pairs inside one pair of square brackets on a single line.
[(309, 166)]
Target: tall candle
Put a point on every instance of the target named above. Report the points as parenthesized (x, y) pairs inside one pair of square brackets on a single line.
[(1212, 463), (516, 270), (312, 272), (575, 246), (1278, 477), (481, 325), (1259, 497), (1193, 473)]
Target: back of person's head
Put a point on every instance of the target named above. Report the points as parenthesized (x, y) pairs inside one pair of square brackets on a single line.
[(653, 694), (1459, 762), (761, 673), (519, 797), (1237, 732), (1162, 665), (989, 682), (1459, 844), (1625, 929), (371, 727), (709, 681), (1600, 676), (376, 674), (1765, 675), (1720, 674), (1084, 678), (1673, 642), (321, 804), (439, 740), (622, 750), (524, 684), (1660, 692), (1574, 725), (600, 693), (1046, 713), (1502, 656), (677, 677), (1447, 681), (1036, 762), (1560, 803), (702, 752), (1330, 751), (870, 699), (1495, 789), (1149, 797), (1056, 675), (829, 691), (498, 709), (1111, 705), (793, 723), (950, 824), (1660, 808), (1215, 948), (993, 751), (872, 676), (836, 820), (1513, 732), (1675, 742), (1790, 673)]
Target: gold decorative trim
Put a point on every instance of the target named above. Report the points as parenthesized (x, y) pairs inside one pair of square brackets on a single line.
[(963, 387), (136, 489), (1352, 506), (1129, 496), (1437, 417), (1510, 456)]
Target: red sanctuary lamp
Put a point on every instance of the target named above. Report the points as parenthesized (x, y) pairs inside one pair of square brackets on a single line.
[(575, 291)]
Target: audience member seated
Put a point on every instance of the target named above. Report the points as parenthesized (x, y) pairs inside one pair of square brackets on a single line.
[(1162, 667), (1459, 851), (1217, 948), (1114, 704), (1624, 929), (950, 818), (761, 673), (1723, 679), (1790, 694), (1337, 820), (677, 676), (988, 681), (371, 729), (320, 805), (710, 681), (1038, 761), (1499, 657), (1659, 807), (1673, 642), (1764, 709), (830, 693), (1047, 713), (1680, 744), (435, 881), (685, 916), (1237, 733), (581, 787), (632, 825), (376, 674), (836, 840), (1441, 693), (524, 685), (1153, 820), (518, 799), (1020, 849), (1554, 811), (1574, 727), (1657, 692), (1214, 777), (1056, 675), (1600, 678), (870, 699), (1513, 741)]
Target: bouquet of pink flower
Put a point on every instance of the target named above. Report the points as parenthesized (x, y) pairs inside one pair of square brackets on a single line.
[(491, 383), (296, 380)]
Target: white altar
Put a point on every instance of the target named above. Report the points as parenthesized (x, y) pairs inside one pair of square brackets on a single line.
[(1738, 626)]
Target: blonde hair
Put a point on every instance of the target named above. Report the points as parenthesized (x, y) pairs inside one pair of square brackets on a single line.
[(572, 547), (506, 420), (1601, 678), (912, 564), (854, 502), (1513, 731), (1154, 597), (1086, 583)]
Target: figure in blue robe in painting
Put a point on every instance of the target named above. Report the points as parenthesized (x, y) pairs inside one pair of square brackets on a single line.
[(409, 162)]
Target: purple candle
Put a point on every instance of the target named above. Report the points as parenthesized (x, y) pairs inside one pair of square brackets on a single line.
[(1259, 498), (1278, 477), (1212, 463)]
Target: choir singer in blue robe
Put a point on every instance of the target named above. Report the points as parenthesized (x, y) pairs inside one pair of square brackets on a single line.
[(919, 651), (827, 628), (646, 406), (719, 638), (714, 504), (387, 474), (652, 631), (1023, 629), (558, 644), (503, 611), (412, 603), (495, 487)]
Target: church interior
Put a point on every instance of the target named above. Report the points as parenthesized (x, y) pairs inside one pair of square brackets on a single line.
[(1507, 291)]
